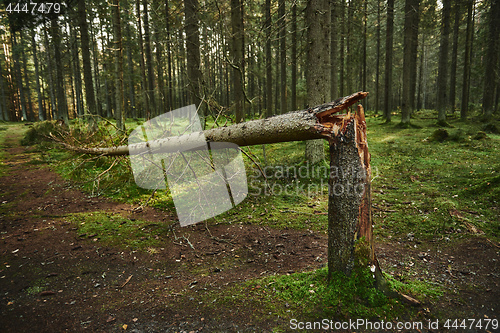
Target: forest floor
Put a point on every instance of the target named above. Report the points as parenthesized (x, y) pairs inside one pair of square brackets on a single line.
[(54, 278)]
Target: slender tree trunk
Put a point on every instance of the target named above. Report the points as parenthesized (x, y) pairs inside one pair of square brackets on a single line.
[(62, 106), (334, 33), (388, 60), (342, 50), (442, 90), (146, 111), (410, 60), (76, 71), (294, 57), (237, 58), (3, 102), (130, 71), (193, 55), (117, 32), (31, 116), (282, 41), (464, 109), (158, 42), (17, 71), (421, 87), (492, 53), (170, 100), (318, 60), (149, 60), (49, 72), (377, 66), (364, 73), (454, 55)]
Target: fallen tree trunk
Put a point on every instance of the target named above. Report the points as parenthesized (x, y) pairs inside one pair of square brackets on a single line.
[(349, 211), (300, 125)]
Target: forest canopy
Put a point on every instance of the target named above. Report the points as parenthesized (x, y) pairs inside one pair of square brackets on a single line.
[(138, 59)]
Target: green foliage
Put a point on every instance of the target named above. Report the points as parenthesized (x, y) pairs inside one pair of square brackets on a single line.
[(42, 131), (309, 296), (115, 230)]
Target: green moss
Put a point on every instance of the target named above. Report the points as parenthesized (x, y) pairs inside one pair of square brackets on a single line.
[(115, 230)]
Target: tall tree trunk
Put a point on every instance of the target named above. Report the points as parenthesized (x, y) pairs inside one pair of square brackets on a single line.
[(16, 50), (318, 60), (193, 55), (170, 99), (342, 89), (377, 66), (491, 65), (421, 86), (131, 109), (454, 55), (149, 59), (364, 73), (294, 56), (49, 73), (76, 71), (3, 102), (409, 58), (117, 32), (146, 113), (282, 41), (31, 116), (389, 40), (442, 87), (62, 106), (334, 34), (237, 58), (464, 109)]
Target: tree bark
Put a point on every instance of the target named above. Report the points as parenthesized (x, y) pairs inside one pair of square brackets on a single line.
[(442, 91), (334, 33), (17, 71), (454, 55), (62, 106), (464, 109), (146, 112), (149, 60), (491, 69), (117, 31), (294, 57), (237, 58), (350, 234), (318, 61), (282, 49), (388, 60), (31, 116), (193, 54), (377, 66), (409, 58)]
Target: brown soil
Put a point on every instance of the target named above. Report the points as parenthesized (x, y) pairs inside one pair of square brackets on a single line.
[(53, 280)]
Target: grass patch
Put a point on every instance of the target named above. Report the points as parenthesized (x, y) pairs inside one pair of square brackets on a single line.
[(307, 296), (115, 230)]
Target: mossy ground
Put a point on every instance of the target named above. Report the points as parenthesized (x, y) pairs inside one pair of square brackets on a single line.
[(423, 189)]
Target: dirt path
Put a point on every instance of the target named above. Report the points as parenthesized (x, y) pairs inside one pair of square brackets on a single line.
[(53, 280)]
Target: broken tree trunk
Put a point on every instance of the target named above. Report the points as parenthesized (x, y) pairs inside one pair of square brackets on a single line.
[(349, 208), (293, 126), (349, 211)]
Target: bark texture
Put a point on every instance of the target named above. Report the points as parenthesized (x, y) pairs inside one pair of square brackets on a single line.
[(317, 66), (349, 209)]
